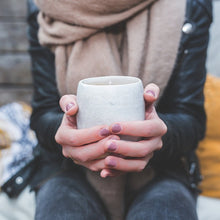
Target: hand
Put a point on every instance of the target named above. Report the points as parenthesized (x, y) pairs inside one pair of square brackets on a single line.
[(136, 155), (83, 146)]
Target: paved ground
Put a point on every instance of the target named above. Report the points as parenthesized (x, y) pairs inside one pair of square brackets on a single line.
[(213, 61)]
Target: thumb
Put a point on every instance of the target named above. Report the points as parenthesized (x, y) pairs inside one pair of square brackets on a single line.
[(68, 104), (151, 94)]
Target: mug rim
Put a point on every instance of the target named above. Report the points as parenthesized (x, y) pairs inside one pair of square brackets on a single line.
[(111, 80)]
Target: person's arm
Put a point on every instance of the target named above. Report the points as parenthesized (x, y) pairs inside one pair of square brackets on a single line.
[(46, 116), (182, 106)]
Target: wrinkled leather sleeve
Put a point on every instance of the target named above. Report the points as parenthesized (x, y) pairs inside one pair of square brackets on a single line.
[(182, 105), (46, 116)]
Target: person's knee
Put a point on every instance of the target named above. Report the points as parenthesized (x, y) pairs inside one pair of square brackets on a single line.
[(164, 200), (64, 198)]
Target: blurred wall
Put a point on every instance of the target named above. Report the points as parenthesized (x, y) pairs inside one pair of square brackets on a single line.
[(213, 60), (15, 77)]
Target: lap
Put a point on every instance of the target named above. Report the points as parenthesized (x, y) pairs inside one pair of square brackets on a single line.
[(68, 196), (165, 199)]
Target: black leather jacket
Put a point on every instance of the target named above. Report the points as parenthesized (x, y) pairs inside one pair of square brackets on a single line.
[(181, 106)]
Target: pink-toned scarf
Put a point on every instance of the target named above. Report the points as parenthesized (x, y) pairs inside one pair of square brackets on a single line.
[(113, 37)]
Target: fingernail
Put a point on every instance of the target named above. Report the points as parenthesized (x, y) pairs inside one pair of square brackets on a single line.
[(103, 174), (104, 132), (150, 92), (112, 146), (116, 128), (112, 163), (69, 106)]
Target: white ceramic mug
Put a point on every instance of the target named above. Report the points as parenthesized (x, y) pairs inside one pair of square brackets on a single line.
[(108, 99)]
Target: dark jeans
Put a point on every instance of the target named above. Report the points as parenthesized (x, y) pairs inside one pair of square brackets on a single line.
[(69, 197)]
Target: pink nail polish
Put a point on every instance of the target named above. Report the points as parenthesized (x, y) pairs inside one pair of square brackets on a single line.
[(116, 128), (112, 147), (104, 132), (150, 92), (112, 163), (69, 106)]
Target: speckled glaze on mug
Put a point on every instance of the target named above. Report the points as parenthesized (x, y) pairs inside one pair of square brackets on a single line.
[(108, 99)]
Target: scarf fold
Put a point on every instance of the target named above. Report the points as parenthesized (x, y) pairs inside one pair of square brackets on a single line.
[(96, 38)]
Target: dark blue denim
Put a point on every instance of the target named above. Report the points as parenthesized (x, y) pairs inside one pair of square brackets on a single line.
[(68, 196), (164, 199)]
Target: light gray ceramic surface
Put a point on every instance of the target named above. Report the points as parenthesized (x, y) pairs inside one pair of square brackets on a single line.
[(109, 99)]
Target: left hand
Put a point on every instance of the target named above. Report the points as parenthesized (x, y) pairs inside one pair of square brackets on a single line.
[(134, 156)]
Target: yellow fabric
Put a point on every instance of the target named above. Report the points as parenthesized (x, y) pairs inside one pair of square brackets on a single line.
[(209, 149), (4, 140), (5, 136)]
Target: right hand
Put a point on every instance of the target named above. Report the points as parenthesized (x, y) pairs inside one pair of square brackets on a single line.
[(84, 146)]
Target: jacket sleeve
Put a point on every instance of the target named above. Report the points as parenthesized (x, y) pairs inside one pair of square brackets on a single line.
[(182, 105), (46, 116)]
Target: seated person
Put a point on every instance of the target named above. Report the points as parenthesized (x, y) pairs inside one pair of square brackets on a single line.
[(88, 39)]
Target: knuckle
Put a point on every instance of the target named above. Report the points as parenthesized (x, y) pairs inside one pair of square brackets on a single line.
[(58, 138), (79, 157), (163, 128), (73, 141), (152, 127), (144, 152), (84, 159), (93, 168)]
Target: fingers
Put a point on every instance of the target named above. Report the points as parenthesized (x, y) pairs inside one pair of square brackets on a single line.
[(151, 93), (127, 165), (90, 156), (147, 128), (79, 137), (109, 172), (87, 153), (95, 165), (68, 104), (133, 149)]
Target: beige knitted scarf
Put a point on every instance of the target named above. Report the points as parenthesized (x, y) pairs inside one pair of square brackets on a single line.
[(112, 37)]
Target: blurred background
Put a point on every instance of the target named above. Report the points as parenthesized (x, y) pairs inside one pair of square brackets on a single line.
[(213, 61), (15, 77)]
